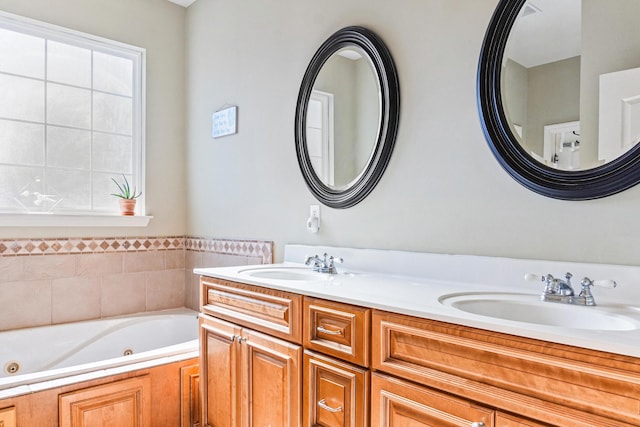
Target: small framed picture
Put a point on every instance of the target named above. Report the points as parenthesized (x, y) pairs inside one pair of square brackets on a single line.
[(224, 122)]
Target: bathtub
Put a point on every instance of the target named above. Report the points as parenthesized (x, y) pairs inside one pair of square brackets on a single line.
[(38, 358)]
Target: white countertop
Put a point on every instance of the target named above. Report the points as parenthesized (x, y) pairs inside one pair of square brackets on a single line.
[(419, 291)]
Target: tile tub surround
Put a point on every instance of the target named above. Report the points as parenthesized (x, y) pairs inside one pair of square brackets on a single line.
[(50, 281)]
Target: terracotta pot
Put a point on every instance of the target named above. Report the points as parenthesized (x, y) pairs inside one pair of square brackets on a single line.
[(128, 207)]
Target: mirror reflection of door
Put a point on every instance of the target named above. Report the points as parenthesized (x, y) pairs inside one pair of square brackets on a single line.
[(320, 135), (619, 112)]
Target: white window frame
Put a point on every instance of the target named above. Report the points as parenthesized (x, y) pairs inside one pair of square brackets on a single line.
[(89, 219)]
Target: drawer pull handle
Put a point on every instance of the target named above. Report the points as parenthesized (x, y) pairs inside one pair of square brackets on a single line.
[(326, 407), (323, 330), (478, 424)]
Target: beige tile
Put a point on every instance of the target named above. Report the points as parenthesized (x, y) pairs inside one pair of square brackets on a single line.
[(192, 290), (212, 259), (75, 298), (122, 294), (96, 264), (25, 304), (251, 260), (143, 261), (174, 259), (11, 268), (193, 259), (165, 289), (40, 267)]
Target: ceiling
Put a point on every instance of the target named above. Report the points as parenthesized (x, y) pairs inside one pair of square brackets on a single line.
[(547, 31), (185, 3)]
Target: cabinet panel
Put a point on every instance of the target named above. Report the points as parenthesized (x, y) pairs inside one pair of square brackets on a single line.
[(124, 403), (340, 330), (8, 417), (272, 381), (270, 311), (397, 403), (219, 372), (557, 384), (190, 396), (335, 393)]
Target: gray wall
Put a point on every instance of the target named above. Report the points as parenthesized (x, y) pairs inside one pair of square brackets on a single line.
[(443, 191), (556, 87)]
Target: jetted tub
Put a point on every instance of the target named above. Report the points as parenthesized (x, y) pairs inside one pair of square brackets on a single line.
[(50, 356)]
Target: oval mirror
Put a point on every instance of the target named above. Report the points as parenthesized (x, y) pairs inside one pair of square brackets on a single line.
[(559, 95), (347, 117)]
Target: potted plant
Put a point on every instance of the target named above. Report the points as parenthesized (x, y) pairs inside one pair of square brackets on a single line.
[(127, 197)]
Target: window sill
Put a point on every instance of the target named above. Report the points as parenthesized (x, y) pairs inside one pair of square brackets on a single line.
[(71, 220)]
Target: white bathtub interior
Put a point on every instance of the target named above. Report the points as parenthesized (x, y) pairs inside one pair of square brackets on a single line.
[(49, 356)]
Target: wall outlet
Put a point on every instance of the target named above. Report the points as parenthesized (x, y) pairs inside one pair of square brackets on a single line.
[(313, 222)]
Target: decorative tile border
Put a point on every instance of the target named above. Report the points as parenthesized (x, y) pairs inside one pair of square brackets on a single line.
[(92, 245), (88, 245), (252, 248)]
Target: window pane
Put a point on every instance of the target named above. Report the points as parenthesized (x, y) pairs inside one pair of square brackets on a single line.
[(75, 186), (68, 148), (112, 113), (112, 153), (21, 189), (21, 54), (112, 74), (68, 64), (68, 106), (103, 187), (21, 98), (21, 143)]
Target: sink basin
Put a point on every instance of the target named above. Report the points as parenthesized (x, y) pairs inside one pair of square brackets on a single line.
[(528, 308), (283, 273)]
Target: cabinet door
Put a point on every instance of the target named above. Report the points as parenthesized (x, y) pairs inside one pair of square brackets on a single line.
[(8, 417), (335, 393), (124, 403), (219, 372), (396, 403), (271, 381)]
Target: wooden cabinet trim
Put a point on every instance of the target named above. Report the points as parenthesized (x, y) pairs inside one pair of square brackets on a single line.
[(274, 312), (347, 330), (485, 367)]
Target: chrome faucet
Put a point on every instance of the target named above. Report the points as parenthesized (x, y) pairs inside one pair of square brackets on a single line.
[(558, 290), (323, 265)]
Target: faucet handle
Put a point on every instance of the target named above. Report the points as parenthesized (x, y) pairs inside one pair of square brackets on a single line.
[(530, 277), (333, 260), (604, 283)]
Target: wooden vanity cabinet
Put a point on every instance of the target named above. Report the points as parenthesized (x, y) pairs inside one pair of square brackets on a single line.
[(251, 362), (550, 383), (241, 367)]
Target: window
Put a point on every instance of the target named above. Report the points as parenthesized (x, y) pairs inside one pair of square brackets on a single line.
[(71, 119)]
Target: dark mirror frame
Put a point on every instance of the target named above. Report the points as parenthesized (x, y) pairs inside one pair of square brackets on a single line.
[(613, 177), (389, 87)]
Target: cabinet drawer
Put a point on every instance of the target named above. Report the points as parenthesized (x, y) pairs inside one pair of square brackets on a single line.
[(552, 383), (340, 330), (270, 311), (336, 393), (396, 402)]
